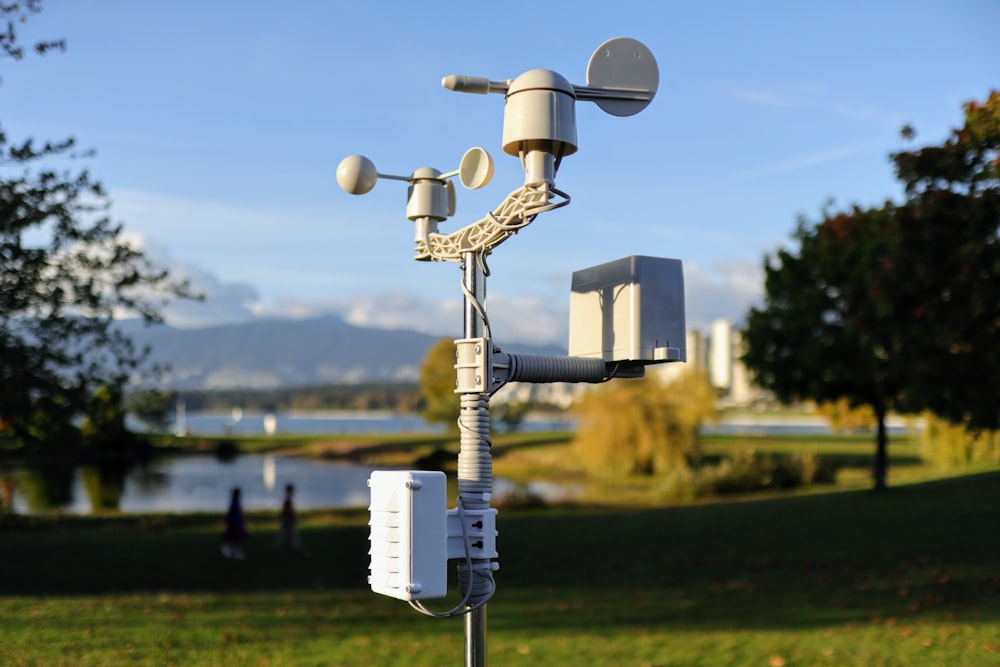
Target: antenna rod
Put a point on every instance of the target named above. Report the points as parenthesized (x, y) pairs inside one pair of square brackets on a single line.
[(481, 85), (592, 94)]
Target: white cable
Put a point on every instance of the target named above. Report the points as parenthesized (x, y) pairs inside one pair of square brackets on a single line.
[(461, 608)]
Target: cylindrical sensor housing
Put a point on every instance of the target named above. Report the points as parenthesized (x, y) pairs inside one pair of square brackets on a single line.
[(540, 114)]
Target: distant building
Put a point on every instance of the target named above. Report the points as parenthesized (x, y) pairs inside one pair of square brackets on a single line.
[(697, 350), (726, 371), (720, 355), (559, 394), (741, 391)]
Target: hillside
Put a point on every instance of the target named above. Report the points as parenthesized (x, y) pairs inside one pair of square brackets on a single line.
[(272, 353)]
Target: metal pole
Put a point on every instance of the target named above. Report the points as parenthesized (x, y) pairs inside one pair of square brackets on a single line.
[(474, 283), (474, 288), (475, 638)]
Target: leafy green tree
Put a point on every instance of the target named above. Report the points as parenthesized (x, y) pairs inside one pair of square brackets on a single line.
[(828, 327), (511, 415), (153, 407), (897, 307), (440, 403), (103, 425), (65, 271)]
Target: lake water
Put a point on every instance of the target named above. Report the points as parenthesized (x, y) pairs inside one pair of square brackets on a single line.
[(191, 483), (330, 423), (201, 483), (345, 422)]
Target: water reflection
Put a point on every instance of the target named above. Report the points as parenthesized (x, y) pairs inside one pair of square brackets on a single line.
[(202, 483), (43, 487), (192, 483), (104, 485)]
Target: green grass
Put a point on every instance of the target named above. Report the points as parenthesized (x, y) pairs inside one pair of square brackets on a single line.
[(904, 578)]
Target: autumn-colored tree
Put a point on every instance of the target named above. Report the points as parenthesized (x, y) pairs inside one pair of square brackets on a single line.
[(846, 418), (644, 426), (441, 405), (947, 265), (896, 307)]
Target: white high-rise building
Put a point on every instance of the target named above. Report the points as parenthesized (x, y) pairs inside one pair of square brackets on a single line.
[(741, 392), (720, 355)]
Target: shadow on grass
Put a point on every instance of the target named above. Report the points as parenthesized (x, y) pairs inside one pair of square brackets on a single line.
[(928, 550)]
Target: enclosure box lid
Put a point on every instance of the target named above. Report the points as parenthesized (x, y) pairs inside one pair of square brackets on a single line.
[(408, 534)]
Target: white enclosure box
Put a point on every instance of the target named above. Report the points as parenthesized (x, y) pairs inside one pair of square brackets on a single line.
[(409, 534), (629, 310)]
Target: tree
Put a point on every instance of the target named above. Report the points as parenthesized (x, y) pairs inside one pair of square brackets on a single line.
[(441, 405), (644, 426), (511, 415), (103, 425), (153, 407), (65, 272), (827, 330), (949, 269), (895, 307), (843, 417)]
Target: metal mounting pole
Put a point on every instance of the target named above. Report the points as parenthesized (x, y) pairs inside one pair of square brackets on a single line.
[(475, 473)]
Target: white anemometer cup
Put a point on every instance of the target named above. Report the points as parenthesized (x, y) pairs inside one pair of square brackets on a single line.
[(431, 196)]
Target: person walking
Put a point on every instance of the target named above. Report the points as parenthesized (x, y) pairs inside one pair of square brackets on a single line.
[(235, 533), (289, 531)]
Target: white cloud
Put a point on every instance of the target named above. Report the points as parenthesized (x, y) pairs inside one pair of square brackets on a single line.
[(867, 113), (223, 303), (162, 215), (725, 290), (759, 97), (512, 319), (777, 95), (797, 162)]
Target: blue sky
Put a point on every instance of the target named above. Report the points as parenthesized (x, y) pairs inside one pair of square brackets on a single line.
[(219, 125)]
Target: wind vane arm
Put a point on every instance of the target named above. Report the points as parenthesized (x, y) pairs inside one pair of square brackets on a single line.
[(515, 213)]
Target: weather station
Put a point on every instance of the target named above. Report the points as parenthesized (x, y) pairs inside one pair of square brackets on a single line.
[(624, 315)]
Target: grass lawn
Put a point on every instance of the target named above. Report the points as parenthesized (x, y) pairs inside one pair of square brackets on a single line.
[(910, 577)]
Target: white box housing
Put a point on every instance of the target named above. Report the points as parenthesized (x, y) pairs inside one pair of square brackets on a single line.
[(629, 310), (409, 534)]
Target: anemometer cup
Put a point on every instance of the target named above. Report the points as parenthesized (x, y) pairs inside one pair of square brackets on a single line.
[(356, 174), (476, 168)]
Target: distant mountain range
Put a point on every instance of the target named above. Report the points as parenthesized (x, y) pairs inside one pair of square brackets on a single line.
[(271, 353)]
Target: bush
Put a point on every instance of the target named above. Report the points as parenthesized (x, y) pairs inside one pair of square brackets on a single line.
[(749, 472), (948, 446)]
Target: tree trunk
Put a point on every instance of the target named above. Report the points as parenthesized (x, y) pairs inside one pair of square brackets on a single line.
[(881, 466)]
